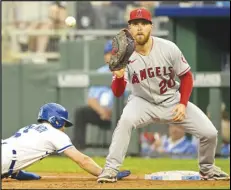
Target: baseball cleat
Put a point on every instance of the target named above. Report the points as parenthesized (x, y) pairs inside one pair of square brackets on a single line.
[(108, 175), (215, 174)]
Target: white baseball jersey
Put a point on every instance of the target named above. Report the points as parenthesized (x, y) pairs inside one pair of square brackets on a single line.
[(32, 143), (152, 77)]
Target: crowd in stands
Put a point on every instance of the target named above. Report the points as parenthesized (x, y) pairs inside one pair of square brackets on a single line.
[(177, 144), (50, 15)]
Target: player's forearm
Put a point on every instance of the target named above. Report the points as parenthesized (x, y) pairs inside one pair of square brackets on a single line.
[(118, 86), (186, 86), (94, 104), (84, 161), (91, 166)]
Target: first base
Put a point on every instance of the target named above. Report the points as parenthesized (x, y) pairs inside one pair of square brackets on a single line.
[(173, 175)]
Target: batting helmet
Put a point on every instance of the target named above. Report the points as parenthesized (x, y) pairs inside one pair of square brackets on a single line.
[(55, 114)]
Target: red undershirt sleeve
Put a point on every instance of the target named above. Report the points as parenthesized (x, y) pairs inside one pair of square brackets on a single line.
[(118, 86), (186, 86)]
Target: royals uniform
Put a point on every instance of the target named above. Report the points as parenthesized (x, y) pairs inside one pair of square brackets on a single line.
[(31, 144)]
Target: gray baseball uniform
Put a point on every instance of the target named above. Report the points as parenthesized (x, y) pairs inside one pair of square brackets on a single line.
[(155, 93)]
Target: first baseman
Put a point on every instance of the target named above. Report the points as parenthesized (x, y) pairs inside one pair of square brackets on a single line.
[(156, 97), (37, 141)]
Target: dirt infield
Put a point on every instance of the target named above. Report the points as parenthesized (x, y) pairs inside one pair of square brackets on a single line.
[(70, 180)]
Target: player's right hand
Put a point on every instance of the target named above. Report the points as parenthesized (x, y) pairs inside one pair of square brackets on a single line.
[(179, 112), (105, 114), (119, 73)]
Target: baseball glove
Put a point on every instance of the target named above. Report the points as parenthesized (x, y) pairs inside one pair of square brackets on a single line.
[(123, 45)]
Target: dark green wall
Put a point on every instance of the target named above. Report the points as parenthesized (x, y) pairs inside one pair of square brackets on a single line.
[(72, 54), (24, 89), (11, 93), (202, 41)]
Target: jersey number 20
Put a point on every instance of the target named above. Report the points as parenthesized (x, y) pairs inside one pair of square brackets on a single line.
[(165, 84)]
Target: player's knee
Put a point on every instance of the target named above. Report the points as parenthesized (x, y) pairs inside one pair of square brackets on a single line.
[(127, 122), (212, 135)]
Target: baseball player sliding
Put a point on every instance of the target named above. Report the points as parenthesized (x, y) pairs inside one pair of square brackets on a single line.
[(149, 64), (37, 141)]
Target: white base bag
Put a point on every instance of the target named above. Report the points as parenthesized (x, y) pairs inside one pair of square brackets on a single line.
[(173, 175)]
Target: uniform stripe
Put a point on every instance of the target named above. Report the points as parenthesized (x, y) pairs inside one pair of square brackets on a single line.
[(62, 149), (185, 71)]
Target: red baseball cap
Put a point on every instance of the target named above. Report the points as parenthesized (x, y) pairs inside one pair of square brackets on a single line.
[(140, 13)]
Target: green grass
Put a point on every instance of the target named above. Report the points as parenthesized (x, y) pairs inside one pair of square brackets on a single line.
[(136, 165)]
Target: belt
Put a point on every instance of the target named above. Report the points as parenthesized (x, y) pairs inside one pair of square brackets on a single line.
[(11, 168)]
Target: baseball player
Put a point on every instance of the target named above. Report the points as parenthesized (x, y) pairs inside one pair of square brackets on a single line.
[(156, 97), (99, 106), (37, 141)]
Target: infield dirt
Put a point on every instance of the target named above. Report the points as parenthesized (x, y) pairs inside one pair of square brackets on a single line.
[(82, 181)]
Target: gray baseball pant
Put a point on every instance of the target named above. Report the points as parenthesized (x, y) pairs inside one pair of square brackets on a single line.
[(139, 113)]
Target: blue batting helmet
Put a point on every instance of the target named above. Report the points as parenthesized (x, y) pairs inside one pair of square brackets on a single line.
[(108, 47), (55, 114)]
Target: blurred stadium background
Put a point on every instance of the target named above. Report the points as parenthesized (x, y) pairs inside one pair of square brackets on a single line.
[(44, 61)]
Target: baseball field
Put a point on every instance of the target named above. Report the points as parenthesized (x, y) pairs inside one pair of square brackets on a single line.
[(62, 173)]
